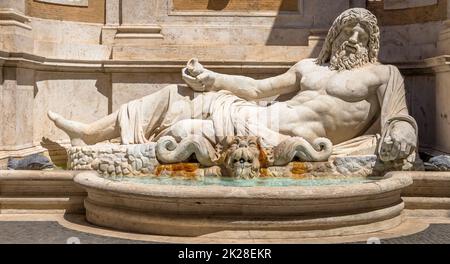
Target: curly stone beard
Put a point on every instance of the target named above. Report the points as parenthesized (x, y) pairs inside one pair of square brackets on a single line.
[(341, 60)]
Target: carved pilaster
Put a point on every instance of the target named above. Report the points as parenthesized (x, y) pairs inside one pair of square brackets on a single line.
[(16, 93), (15, 29), (112, 21), (138, 26), (441, 67), (130, 23)]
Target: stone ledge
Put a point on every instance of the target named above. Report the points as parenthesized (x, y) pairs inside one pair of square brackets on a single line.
[(47, 192), (144, 29), (428, 184), (392, 182), (430, 191), (137, 35), (430, 203), (38, 205), (14, 23), (20, 152), (53, 175), (439, 63), (12, 14), (427, 213), (31, 61), (10, 17)]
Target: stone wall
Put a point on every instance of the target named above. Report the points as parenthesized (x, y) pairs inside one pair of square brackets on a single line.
[(235, 5), (67, 40), (93, 13), (406, 14)]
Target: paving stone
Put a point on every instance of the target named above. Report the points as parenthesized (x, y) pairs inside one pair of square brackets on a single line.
[(434, 234), (49, 232), (32, 232)]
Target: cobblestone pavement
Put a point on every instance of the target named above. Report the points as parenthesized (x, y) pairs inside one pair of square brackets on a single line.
[(435, 234), (49, 232)]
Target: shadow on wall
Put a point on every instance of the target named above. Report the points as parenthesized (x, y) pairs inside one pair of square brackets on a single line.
[(56, 152), (284, 31), (421, 98), (280, 35), (80, 96), (102, 81), (217, 5)]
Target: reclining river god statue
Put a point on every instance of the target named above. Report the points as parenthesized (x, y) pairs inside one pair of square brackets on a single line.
[(343, 103)]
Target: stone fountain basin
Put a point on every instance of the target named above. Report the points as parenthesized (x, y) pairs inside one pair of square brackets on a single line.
[(180, 210)]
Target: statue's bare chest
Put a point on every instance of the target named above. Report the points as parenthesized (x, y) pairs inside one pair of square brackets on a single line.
[(352, 86)]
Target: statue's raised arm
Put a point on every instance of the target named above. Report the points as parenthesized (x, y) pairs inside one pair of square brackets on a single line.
[(203, 80)]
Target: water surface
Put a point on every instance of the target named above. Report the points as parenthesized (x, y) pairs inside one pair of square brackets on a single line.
[(268, 182)]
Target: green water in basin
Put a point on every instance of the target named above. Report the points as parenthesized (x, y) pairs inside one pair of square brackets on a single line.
[(267, 182)]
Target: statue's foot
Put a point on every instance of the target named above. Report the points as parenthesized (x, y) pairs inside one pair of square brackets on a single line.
[(75, 130)]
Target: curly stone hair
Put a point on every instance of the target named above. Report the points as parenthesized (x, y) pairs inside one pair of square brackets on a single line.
[(362, 16)]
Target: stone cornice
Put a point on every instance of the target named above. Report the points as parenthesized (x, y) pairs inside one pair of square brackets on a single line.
[(439, 63), (139, 32), (30, 61), (10, 16), (411, 67)]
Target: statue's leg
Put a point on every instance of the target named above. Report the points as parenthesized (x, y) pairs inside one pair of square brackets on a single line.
[(154, 109), (82, 134)]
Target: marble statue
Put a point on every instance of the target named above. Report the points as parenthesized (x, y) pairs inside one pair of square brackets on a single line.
[(342, 103)]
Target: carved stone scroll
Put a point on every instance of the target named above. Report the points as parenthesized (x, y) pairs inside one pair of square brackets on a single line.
[(286, 151)]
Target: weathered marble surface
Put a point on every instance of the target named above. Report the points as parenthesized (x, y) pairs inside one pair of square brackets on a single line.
[(239, 157), (141, 160), (114, 160)]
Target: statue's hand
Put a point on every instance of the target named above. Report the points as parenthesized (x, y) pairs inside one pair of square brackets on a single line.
[(197, 77), (400, 142)]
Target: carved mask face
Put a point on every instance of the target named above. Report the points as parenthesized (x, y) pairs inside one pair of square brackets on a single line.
[(242, 158), (350, 48)]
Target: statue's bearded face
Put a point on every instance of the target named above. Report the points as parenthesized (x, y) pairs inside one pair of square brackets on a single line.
[(350, 48), (352, 41)]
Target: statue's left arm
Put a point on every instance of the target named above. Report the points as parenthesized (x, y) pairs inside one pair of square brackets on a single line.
[(398, 128)]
